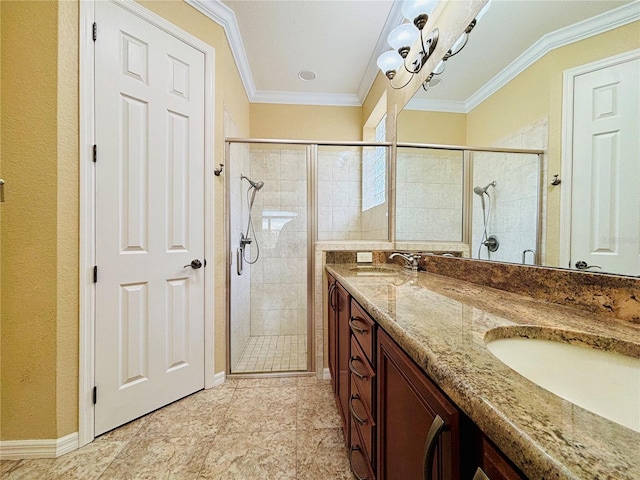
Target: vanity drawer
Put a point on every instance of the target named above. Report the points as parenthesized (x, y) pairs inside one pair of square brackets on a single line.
[(362, 420), (362, 374), (359, 459), (363, 328)]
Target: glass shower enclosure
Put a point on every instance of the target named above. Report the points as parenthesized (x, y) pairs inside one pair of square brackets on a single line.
[(268, 214)]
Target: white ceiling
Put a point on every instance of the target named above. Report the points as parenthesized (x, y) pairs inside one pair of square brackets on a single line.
[(340, 41)]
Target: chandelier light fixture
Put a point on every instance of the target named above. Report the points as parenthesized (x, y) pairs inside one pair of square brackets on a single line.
[(402, 38)]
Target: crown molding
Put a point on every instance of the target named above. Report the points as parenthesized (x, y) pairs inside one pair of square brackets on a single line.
[(224, 16), (579, 31), (299, 98), (394, 19), (450, 106)]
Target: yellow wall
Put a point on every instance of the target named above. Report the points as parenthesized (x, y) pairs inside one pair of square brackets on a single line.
[(39, 231), (416, 126), (67, 220), (306, 122), (537, 93), (29, 224)]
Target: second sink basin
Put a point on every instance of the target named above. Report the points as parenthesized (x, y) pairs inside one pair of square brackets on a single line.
[(604, 382), (371, 270)]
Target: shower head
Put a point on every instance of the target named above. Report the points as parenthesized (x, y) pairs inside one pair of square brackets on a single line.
[(481, 191), (256, 185)]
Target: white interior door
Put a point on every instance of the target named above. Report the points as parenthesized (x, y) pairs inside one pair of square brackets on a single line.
[(605, 203), (149, 104)]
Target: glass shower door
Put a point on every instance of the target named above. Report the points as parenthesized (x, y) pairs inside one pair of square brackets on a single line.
[(269, 244)]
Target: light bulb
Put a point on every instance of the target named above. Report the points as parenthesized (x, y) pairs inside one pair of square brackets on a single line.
[(411, 9), (403, 37), (389, 62)]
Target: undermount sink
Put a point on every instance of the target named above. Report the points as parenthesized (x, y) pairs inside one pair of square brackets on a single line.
[(568, 364), (370, 270)]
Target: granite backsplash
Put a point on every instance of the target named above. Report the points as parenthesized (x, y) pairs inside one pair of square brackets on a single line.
[(600, 293)]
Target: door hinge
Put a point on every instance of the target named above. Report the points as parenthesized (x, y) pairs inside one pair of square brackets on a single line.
[(95, 153), (95, 395), (95, 31), (95, 274)]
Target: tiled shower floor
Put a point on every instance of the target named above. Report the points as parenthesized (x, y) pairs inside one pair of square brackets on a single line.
[(277, 353)]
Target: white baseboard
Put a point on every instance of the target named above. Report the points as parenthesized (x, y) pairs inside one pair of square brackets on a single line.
[(326, 375), (21, 449), (219, 378)]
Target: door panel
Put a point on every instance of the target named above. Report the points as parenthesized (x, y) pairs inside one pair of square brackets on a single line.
[(606, 166), (149, 217)]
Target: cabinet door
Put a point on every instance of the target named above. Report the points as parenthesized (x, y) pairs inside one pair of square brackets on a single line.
[(408, 404), (332, 331), (343, 313)]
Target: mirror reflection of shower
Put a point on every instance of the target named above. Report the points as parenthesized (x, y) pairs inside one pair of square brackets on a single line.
[(489, 241), (250, 236)]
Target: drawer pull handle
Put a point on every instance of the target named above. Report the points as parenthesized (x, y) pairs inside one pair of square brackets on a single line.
[(355, 327), (430, 446), (332, 289), (353, 369), (351, 450), (355, 416)]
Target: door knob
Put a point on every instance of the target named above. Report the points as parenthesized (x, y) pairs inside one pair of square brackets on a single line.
[(195, 264), (582, 265)]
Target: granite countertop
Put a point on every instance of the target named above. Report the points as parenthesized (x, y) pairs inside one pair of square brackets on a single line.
[(441, 323)]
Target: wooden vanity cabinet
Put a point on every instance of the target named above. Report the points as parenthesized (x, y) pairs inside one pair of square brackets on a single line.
[(362, 399), (340, 348), (495, 465), (388, 405), (408, 405), (332, 326)]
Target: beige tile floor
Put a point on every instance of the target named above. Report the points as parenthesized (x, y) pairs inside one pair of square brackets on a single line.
[(275, 353), (246, 429)]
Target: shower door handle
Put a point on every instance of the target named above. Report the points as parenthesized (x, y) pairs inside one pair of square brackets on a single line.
[(195, 264)]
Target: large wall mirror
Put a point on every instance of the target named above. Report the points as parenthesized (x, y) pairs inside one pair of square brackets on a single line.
[(561, 77)]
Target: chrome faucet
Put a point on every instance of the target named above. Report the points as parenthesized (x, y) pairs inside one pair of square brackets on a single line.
[(411, 259)]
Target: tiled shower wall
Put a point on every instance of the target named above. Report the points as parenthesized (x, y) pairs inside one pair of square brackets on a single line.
[(514, 199), (340, 215), (279, 277), (339, 194), (429, 195)]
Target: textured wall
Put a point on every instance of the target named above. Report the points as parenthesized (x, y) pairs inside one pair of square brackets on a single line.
[(29, 219), (306, 122)]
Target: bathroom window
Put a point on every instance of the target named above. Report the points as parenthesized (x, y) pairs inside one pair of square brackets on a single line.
[(374, 171)]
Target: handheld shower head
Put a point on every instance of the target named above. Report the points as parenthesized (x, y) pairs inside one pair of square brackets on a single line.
[(481, 191), (256, 185)]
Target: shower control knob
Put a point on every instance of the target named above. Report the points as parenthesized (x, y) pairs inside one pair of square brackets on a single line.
[(195, 264)]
